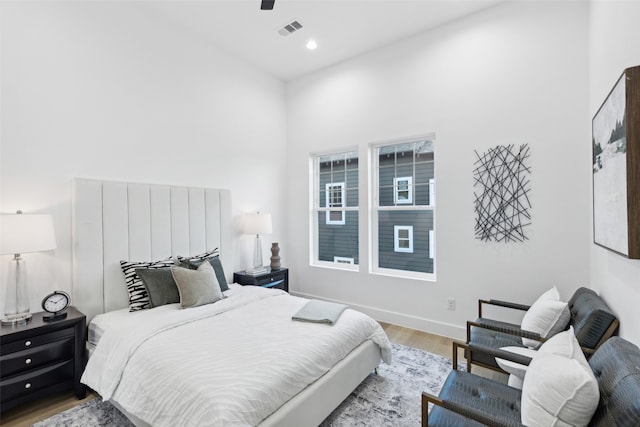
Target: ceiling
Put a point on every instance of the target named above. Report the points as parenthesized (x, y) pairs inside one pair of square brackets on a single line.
[(342, 28)]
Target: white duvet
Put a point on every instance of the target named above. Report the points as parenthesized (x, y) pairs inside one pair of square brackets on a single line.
[(231, 363)]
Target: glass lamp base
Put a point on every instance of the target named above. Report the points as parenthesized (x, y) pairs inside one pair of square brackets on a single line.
[(16, 309), (16, 319)]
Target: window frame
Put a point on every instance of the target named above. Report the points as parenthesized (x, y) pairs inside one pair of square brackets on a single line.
[(396, 190), (315, 209), (375, 209), (328, 201), (397, 239)]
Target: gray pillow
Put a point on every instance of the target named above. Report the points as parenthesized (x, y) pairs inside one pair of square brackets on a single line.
[(217, 267), (160, 285), (197, 287)]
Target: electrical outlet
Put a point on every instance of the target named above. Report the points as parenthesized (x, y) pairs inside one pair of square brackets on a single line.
[(451, 304)]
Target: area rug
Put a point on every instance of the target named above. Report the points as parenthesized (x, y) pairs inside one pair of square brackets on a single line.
[(392, 397)]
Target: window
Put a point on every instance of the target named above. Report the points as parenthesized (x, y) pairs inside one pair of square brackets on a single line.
[(334, 195), (402, 190), (334, 213), (403, 208), (403, 238)]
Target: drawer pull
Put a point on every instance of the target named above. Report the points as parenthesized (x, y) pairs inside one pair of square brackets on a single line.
[(28, 361), (27, 343), (27, 385)]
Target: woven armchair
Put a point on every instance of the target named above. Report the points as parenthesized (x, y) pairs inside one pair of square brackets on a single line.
[(592, 320), (467, 399)]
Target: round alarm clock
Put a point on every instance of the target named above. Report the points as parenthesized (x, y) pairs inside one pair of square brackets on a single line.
[(55, 303)]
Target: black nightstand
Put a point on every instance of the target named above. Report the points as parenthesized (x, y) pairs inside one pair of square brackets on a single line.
[(40, 358), (278, 279)]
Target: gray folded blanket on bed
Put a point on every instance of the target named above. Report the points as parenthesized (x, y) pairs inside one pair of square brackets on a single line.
[(317, 311)]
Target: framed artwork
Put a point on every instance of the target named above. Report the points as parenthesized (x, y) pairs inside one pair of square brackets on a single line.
[(616, 167)]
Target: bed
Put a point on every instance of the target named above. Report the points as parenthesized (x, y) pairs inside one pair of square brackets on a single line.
[(240, 361)]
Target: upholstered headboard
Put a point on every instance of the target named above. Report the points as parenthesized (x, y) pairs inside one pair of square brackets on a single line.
[(115, 221)]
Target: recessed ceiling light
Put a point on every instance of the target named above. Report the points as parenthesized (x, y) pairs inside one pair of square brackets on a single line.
[(312, 45)]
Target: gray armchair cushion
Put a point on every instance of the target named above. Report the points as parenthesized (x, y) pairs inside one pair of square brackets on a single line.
[(470, 394), (492, 339), (590, 317), (616, 365)]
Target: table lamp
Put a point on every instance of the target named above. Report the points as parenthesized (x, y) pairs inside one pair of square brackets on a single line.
[(22, 233), (258, 223)]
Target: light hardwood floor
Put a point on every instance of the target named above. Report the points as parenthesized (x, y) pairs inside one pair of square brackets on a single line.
[(29, 414)]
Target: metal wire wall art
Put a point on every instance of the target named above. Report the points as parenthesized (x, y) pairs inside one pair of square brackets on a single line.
[(502, 205)]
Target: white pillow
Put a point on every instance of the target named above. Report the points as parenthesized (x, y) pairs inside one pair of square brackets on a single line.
[(559, 390), (516, 371), (547, 317), (551, 294), (563, 344)]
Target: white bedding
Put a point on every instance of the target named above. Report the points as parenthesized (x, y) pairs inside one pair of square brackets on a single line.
[(105, 321), (231, 363)]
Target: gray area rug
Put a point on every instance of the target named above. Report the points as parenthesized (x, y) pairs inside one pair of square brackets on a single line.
[(390, 398)]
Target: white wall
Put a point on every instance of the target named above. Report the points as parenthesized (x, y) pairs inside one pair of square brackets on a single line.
[(614, 35), (107, 90), (512, 74)]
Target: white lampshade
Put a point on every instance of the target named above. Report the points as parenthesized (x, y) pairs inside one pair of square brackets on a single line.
[(257, 223), (23, 233)]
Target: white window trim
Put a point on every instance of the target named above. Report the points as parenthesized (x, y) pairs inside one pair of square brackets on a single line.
[(396, 199), (397, 239), (374, 208), (315, 208), (327, 191), (432, 247), (432, 192), (343, 260)]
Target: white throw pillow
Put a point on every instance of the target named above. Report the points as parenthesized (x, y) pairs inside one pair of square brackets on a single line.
[(546, 317), (551, 294), (562, 344), (559, 390), (516, 371)]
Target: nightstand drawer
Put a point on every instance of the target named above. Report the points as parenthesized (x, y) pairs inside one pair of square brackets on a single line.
[(33, 381), (35, 341), (276, 279), (271, 281), (37, 356)]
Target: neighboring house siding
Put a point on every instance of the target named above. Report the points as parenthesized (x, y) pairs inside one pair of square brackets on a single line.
[(423, 173), (333, 239), (419, 260), (338, 240)]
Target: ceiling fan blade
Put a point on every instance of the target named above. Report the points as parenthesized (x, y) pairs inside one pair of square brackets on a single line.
[(267, 4)]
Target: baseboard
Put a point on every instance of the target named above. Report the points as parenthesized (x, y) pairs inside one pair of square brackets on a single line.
[(404, 320)]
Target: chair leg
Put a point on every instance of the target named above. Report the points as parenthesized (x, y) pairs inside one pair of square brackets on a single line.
[(425, 411)]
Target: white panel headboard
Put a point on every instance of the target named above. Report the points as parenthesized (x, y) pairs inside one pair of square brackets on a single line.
[(115, 221)]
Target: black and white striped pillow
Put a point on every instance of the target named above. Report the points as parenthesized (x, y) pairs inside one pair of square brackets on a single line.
[(200, 257), (138, 296)]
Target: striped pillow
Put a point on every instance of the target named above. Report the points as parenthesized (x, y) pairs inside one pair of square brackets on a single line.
[(200, 257), (138, 296)]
